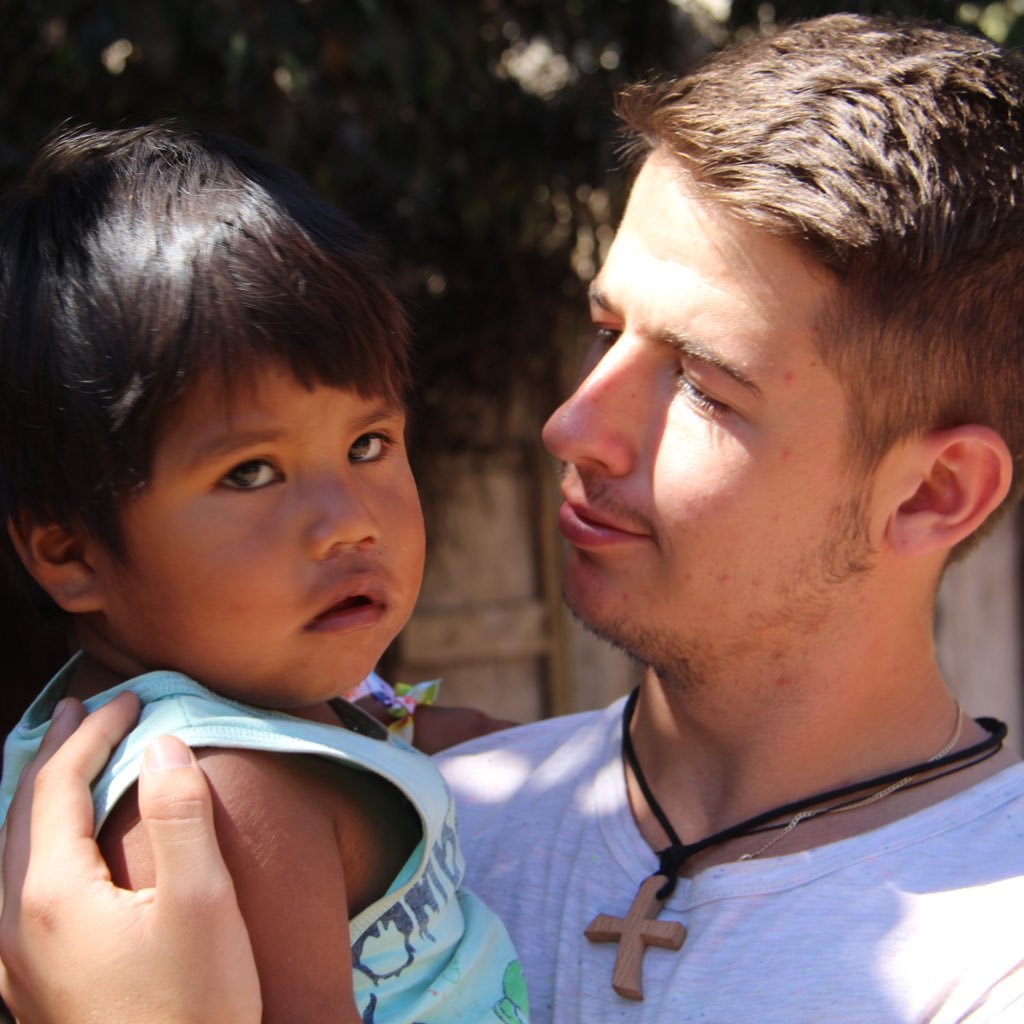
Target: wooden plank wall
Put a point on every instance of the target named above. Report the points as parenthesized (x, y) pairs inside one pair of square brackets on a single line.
[(978, 631)]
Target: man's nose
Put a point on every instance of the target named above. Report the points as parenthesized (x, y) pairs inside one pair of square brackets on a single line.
[(598, 425)]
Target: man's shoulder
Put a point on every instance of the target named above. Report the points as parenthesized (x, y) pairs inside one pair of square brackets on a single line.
[(527, 771), (995, 803), (969, 839)]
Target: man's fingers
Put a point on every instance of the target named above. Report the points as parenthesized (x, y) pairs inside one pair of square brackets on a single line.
[(53, 798), (50, 818), (176, 808), (66, 718), (85, 742), (187, 929), (60, 780), (194, 893)]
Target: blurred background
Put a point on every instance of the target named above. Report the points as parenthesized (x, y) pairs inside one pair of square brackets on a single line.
[(476, 139)]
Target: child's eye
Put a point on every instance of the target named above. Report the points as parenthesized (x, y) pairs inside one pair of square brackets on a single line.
[(369, 448), (251, 475)]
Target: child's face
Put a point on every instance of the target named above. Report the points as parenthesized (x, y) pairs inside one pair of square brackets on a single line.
[(276, 550)]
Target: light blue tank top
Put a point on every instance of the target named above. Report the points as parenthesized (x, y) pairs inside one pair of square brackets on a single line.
[(428, 951)]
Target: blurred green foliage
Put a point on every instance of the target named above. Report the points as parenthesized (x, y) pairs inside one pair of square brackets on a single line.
[(475, 136)]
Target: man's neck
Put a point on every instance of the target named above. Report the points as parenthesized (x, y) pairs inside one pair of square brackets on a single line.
[(717, 752)]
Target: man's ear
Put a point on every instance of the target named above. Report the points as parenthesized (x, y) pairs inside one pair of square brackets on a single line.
[(57, 558), (953, 480)]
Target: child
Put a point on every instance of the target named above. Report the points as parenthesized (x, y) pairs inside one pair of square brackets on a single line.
[(202, 461)]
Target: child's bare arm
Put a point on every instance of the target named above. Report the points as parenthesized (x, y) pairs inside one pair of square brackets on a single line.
[(303, 852)]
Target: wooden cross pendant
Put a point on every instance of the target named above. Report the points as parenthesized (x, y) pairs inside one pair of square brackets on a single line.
[(634, 933)]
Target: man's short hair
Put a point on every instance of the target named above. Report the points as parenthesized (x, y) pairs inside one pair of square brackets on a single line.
[(131, 263), (893, 155)]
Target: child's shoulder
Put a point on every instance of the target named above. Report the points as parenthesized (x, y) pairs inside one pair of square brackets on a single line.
[(290, 813), (308, 844), (371, 825)]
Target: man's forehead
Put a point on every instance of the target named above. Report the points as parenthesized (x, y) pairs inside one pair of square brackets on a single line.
[(680, 253), (754, 313)]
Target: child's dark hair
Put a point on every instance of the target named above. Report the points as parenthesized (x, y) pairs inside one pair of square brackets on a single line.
[(133, 261)]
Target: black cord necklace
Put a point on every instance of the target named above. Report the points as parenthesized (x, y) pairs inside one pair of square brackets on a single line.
[(640, 928)]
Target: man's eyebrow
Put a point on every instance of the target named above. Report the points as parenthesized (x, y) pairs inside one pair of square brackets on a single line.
[(702, 353), (686, 344), (598, 297)]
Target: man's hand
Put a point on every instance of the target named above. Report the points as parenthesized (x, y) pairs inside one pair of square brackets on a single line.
[(438, 727), (75, 947)]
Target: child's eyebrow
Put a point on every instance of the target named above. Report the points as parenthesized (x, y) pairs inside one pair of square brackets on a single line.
[(384, 411), (225, 442)]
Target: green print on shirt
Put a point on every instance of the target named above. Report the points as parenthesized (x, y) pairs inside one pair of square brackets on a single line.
[(514, 1008)]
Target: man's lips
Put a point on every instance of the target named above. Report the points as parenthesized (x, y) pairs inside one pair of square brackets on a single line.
[(585, 527)]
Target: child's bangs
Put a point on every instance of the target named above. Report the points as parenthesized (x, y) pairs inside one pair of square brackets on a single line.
[(329, 317), (139, 262)]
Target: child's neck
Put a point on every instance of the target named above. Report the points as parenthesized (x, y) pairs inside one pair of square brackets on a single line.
[(92, 676)]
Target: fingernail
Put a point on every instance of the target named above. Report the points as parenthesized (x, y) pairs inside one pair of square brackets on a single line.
[(167, 752), (58, 709)]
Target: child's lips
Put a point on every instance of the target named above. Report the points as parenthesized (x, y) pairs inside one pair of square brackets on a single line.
[(353, 611)]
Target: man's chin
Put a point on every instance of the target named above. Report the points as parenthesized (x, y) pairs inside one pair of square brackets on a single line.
[(612, 630), (663, 654)]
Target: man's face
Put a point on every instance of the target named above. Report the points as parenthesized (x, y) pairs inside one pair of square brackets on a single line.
[(709, 509), (276, 549)]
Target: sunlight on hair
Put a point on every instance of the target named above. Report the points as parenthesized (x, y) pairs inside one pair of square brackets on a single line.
[(180, 245)]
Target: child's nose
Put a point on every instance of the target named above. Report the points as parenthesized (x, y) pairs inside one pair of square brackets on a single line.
[(340, 521)]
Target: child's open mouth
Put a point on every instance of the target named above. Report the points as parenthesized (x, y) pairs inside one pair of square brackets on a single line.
[(350, 613)]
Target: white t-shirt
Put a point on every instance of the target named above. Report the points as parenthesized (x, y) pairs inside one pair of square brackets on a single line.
[(920, 920)]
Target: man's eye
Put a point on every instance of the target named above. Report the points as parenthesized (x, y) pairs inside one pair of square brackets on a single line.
[(605, 336), (369, 448), (251, 475), (709, 406)]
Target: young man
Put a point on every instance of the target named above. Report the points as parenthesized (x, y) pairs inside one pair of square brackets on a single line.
[(804, 397)]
